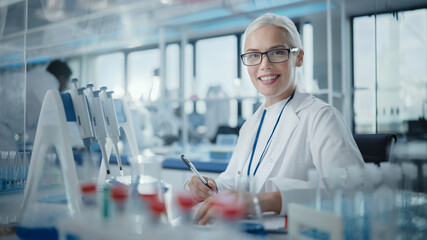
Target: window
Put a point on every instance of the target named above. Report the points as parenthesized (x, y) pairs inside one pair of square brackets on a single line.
[(189, 69), (390, 54), (249, 104), (142, 70), (216, 65), (172, 70), (364, 74), (110, 72), (307, 41)]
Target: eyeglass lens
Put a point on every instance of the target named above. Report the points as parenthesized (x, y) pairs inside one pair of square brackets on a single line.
[(274, 56)]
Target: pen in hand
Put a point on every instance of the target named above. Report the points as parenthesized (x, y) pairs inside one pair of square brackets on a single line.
[(194, 170)]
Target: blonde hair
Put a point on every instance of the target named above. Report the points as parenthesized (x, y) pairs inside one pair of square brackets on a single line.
[(269, 19)]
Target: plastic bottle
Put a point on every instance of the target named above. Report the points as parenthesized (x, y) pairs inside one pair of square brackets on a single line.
[(119, 195), (89, 199), (383, 217), (13, 170), (372, 179), (354, 207), (155, 228), (408, 203), (27, 158), (228, 226), (185, 202), (410, 175), (8, 170), (184, 230), (136, 209), (335, 186), (3, 172), (313, 179), (252, 223), (392, 175), (21, 170)]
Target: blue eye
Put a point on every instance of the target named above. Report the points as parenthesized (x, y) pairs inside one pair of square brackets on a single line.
[(252, 55), (278, 52)]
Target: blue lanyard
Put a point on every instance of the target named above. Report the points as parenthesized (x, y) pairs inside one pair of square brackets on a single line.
[(268, 142)]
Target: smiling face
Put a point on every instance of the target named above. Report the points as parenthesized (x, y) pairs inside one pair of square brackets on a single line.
[(275, 81)]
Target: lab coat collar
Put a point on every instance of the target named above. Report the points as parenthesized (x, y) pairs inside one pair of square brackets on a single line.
[(283, 135), (301, 100), (280, 139)]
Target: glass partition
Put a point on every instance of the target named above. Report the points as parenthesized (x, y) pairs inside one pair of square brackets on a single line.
[(364, 57), (389, 71), (13, 62)]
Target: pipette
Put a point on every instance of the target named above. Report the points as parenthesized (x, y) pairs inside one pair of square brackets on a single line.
[(112, 124), (82, 115), (98, 122)]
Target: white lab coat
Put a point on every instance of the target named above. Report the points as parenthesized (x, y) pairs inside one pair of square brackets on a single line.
[(311, 134), (39, 81)]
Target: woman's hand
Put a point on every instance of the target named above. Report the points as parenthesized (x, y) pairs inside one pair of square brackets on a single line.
[(200, 191)]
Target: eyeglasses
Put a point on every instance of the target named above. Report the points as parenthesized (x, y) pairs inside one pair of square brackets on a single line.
[(274, 56)]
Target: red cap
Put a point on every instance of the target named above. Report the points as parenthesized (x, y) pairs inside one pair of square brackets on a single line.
[(156, 207), (228, 207), (119, 193), (232, 211), (185, 201), (88, 187), (148, 197)]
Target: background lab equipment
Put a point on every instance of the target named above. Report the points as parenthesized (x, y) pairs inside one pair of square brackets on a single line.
[(366, 58)]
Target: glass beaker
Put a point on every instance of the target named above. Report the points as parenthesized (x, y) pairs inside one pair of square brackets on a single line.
[(147, 171), (253, 223)]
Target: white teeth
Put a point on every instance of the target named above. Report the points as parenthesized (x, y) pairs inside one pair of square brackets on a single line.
[(267, 78)]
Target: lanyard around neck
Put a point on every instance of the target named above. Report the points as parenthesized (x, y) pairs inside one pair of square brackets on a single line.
[(269, 139)]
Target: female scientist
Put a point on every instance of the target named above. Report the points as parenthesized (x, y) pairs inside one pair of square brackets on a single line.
[(292, 131)]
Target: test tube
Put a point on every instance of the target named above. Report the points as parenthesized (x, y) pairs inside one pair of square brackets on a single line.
[(3, 173), (410, 175), (12, 169), (20, 170), (27, 158)]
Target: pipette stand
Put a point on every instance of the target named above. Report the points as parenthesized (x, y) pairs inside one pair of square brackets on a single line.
[(52, 130), (125, 123)]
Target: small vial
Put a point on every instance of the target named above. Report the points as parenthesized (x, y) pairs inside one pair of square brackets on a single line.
[(88, 194), (119, 195)]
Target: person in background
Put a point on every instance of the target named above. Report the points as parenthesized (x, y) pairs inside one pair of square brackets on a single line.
[(56, 77), (290, 133)]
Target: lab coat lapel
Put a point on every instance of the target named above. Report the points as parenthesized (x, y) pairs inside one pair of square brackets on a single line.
[(279, 141), (248, 141)]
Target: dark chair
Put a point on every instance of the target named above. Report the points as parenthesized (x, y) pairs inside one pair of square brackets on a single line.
[(226, 130), (375, 148)]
